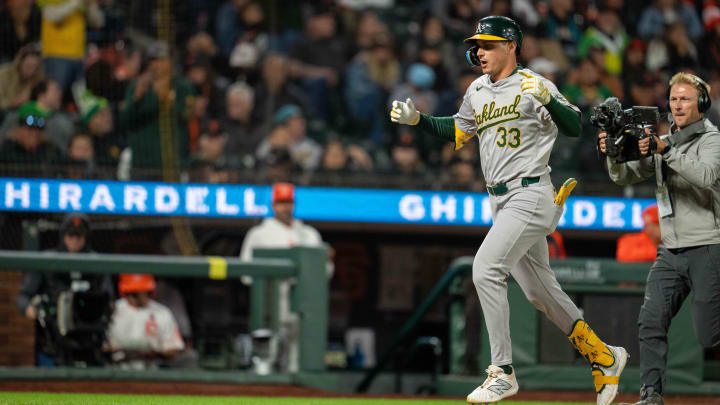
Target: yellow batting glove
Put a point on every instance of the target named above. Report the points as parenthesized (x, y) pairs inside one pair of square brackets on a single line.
[(534, 86), (565, 191), (404, 112)]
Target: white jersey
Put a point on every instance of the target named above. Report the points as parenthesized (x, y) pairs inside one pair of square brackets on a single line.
[(515, 131), (151, 328), (273, 234)]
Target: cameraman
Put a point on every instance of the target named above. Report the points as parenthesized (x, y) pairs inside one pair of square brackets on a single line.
[(686, 165), (40, 291)]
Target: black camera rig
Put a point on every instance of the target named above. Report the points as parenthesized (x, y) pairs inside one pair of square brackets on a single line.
[(625, 128)]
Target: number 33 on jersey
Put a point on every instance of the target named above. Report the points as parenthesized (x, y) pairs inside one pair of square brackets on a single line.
[(515, 130)]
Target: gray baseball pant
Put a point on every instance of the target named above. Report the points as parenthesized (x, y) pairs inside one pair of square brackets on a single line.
[(516, 245)]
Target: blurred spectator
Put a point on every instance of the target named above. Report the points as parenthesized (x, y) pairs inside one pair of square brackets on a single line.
[(40, 292), (367, 28), (26, 150), (641, 246), (710, 43), (673, 52), (244, 134), (462, 174), (47, 95), (63, 36), (612, 82), (406, 154), (662, 13), (201, 49), (339, 159), (559, 25), (434, 50), (143, 333), (276, 90), (128, 66), (369, 78), (633, 65), (19, 26), (209, 94), (283, 230), (228, 25), (714, 113), (101, 80), (609, 35), (530, 49), (585, 89), (556, 246), (251, 44), (319, 58), (59, 126), (98, 122), (157, 91), (545, 67), (291, 131), (459, 16), (418, 86), (642, 90), (212, 162), (276, 165), (19, 76), (80, 161)]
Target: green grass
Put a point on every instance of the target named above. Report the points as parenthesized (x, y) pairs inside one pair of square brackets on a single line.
[(42, 398)]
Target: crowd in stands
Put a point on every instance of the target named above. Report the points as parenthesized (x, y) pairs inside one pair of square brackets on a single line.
[(251, 91)]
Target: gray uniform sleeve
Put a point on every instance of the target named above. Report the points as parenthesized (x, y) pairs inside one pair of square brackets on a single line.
[(465, 117), (626, 173), (702, 172)]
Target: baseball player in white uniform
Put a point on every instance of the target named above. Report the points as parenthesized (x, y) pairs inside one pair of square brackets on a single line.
[(516, 115), (282, 231), (142, 331)]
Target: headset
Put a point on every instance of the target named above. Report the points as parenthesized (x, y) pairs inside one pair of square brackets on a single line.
[(703, 101)]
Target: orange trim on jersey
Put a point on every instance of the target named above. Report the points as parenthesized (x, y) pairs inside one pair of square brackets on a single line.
[(461, 137)]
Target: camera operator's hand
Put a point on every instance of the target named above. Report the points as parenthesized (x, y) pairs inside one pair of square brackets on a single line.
[(602, 136), (644, 144), (30, 312)]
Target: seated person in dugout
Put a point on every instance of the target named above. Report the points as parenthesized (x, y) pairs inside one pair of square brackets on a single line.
[(143, 333)]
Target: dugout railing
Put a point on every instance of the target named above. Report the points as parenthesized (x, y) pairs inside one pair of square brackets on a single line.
[(608, 292), (306, 265)]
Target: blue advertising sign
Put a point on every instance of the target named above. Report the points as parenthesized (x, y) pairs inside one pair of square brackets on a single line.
[(311, 203)]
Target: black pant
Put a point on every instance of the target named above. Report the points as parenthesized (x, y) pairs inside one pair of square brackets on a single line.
[(673, 276)]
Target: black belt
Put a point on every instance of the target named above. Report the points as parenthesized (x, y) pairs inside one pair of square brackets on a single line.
[(502, 188)]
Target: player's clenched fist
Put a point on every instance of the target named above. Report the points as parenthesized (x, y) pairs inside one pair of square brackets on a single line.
[(404, 112), (534, 86)]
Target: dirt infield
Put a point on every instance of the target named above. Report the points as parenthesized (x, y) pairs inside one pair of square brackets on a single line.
[(186, 388)]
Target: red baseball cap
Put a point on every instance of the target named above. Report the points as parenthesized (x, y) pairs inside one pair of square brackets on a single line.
[(128, 283), (283, 192)]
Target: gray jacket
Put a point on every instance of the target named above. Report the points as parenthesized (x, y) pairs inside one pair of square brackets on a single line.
[(692, 169)]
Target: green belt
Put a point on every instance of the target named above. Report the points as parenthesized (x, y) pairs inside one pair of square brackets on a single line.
[(501, 188)]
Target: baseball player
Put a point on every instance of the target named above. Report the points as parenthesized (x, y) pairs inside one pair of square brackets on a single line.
[(280, 231), (142, 332), (516, 115)]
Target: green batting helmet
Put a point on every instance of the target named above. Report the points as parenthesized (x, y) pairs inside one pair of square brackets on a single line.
[(498, 28)]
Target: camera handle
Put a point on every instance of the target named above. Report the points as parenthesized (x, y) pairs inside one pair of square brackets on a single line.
[(653, 144)]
